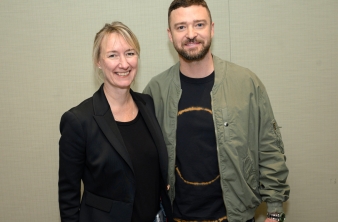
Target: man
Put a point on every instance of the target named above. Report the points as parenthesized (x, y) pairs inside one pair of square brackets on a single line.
[(225, 149)]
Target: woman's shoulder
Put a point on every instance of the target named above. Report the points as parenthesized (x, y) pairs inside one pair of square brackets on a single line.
[(82, 110), (145, 98)]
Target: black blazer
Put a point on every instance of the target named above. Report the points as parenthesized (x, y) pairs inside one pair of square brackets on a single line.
[(91, 149)]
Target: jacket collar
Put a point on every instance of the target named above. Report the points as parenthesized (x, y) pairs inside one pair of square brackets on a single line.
[(101, 105), (105, 120), (155, 132), (220, 67)]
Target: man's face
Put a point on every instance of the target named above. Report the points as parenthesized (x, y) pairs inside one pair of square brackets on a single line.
[(191, 32)]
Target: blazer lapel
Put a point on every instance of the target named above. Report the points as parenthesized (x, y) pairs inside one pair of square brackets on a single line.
[(105, 120), (155, 132)]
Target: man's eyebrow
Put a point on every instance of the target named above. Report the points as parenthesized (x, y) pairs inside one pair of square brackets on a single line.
[(194, 21), (180, 23), (200, 20)]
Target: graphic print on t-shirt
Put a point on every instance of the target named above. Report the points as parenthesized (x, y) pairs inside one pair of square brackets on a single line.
[(198, 194), (195, 183)]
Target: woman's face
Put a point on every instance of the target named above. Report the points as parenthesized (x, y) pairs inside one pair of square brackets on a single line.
[(118, 61)]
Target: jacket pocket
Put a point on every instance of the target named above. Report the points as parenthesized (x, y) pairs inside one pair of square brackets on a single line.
[(278, 136), (249, 173), (97, 208), (98, 202)]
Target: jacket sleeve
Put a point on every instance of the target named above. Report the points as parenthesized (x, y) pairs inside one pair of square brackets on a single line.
[(147, 90), (273, 170), (71, 165)]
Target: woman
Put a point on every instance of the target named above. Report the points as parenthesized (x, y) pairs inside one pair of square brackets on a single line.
[(112, 142)]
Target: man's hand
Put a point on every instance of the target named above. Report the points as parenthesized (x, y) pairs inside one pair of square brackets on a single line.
[(269, 220)]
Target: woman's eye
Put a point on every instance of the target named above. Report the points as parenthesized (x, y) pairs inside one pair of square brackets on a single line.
[(129, 54), (113, 56)]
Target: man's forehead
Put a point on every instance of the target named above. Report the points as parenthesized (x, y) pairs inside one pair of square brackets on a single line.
[(194, 12)]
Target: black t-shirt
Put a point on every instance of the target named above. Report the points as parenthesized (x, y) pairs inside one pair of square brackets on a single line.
[(144, 157), (198, 190)]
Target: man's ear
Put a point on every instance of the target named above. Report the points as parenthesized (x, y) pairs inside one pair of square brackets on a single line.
[(169, 35), (212, 29)]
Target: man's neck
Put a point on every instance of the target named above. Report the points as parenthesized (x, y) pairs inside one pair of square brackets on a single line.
[(197, 69)]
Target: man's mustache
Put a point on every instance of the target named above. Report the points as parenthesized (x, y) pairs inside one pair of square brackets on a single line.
[(193, 40)]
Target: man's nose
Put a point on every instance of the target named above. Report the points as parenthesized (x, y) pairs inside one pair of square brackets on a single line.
[(191, 33)]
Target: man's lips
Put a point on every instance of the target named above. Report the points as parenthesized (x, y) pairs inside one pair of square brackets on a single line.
[(192, 43)]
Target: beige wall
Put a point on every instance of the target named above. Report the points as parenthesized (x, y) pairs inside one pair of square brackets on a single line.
[(45, 69)]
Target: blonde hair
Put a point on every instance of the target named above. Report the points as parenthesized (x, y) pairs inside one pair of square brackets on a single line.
[(115, 27)]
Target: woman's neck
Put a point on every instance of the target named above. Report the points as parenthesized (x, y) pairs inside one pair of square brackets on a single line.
[(121, 104)]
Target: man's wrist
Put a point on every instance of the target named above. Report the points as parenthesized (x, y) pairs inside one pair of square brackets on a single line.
[(276, 216)]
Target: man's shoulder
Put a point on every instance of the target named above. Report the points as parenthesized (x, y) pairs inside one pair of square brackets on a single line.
[(232, 69), (164, 79), (231, 72), (167, 74)]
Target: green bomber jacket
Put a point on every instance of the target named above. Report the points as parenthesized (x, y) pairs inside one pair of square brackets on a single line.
[(249, 143)]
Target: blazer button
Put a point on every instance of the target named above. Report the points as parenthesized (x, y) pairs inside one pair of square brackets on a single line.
[(226, 124)]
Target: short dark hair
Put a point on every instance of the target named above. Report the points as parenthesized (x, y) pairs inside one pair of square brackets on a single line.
[(186, 3)]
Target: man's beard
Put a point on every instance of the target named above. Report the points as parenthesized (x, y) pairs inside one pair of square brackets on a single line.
[(191, 55)]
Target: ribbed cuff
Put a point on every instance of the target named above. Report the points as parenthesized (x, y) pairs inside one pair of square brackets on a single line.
[(275, 207)]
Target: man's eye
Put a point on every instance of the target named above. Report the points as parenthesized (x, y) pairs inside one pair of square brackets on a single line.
[(200, 25), (181, 27)]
